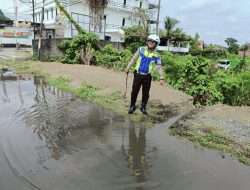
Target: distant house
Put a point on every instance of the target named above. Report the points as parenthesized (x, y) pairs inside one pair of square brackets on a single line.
[(174, 46), (247, 53)]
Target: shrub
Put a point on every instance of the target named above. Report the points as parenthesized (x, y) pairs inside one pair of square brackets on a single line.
[(73, 47), (234, 87), (112, 58), (192, 75)]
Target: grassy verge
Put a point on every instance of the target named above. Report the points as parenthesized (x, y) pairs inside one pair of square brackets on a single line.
[(211, 137), (22, 67)]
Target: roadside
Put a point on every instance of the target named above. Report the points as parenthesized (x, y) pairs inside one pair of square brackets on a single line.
[(221, 127)]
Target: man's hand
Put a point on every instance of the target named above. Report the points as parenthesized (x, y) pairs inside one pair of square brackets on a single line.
[(162, 82)]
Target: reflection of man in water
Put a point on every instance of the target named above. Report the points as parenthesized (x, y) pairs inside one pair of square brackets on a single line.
[(137, 152)]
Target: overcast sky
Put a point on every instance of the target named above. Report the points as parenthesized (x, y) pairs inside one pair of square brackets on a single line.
[(214, 20)]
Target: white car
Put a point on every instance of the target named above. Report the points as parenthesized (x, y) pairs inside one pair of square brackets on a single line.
[(224, 64)]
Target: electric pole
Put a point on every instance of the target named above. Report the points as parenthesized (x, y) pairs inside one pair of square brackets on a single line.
[(158, 18), (33, 15), (41, 32)]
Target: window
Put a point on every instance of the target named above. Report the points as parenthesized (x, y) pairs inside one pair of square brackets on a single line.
[(140, 4), (124, 2), (123, 22), (107, 38), (52, 13), (56, 12), (47, 14)]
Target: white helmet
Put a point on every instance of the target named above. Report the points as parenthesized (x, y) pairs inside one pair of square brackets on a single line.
[(154, 38)]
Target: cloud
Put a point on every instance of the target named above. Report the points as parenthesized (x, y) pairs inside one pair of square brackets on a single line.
[(198, 4), (214, 20)]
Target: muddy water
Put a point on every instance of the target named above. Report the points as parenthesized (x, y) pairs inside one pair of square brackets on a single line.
[(50, 140)]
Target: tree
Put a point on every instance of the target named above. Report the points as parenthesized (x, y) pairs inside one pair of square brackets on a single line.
[(71, 20), (170, 24), (135, 37), (3, 18), (233, 46), (172, 33), (81, 48)]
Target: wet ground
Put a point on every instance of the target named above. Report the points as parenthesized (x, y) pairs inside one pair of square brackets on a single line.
[(9, 54), (50, 140)]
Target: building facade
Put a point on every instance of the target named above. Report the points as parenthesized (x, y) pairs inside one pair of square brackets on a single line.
[(16, 32), (107, 22)]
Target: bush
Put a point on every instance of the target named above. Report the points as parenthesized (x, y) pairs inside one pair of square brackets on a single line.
[(112, 58), (193, 76), (198, 77), (73, 47), (234, 87)]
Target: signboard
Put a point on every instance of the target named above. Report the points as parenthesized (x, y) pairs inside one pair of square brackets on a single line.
[(14, 34)]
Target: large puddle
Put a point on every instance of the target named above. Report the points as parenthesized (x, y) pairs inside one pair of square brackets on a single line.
[(50, 140)]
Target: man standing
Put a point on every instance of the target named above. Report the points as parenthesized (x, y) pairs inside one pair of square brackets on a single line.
[(144, 60)]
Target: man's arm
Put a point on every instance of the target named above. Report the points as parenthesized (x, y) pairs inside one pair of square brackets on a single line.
[(133, 60), (159, 68)]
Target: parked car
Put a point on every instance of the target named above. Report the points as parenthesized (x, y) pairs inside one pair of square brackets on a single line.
[(224, 64)]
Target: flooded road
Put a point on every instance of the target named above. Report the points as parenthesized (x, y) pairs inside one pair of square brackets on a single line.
[(50, 140)]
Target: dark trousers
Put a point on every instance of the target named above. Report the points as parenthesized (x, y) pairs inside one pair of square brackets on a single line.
[(145, 82)]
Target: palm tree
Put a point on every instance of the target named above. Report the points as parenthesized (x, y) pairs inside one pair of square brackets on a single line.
[(170, 24)]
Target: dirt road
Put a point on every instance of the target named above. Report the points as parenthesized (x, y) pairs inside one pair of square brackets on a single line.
[(111, 81)]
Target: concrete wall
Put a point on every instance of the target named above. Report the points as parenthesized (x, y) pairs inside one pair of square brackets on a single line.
[(49, 49)]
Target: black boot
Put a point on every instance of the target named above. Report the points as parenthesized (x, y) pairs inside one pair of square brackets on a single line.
[(131, 109), (144, 110)]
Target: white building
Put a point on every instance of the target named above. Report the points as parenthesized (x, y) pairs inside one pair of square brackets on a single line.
[(108, 21)]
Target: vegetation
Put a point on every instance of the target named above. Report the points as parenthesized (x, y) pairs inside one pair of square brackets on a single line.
[(80, 49), (71, 20), (199, 77), (112, 58), (135, 37), (233, 46)]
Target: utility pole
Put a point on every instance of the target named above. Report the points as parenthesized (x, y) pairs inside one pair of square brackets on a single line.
[(33, 15), (41, 32), (158, 18)]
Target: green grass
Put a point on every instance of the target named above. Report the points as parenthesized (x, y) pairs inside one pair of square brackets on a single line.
[(214, 139)]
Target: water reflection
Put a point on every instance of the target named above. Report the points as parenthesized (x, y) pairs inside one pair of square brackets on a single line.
[(5, 96), (58, 118)]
